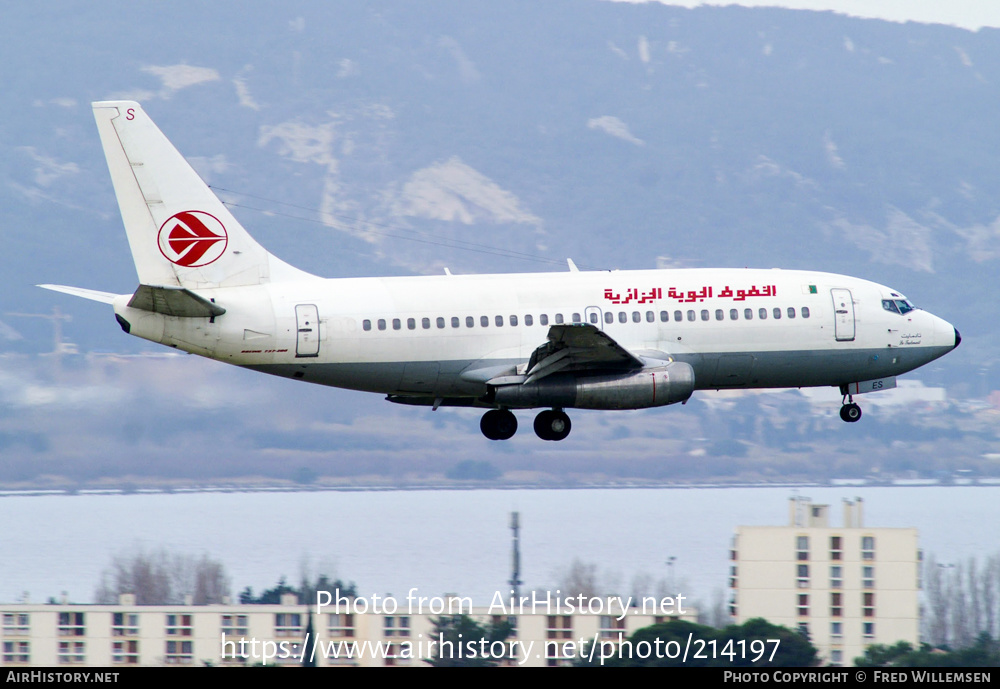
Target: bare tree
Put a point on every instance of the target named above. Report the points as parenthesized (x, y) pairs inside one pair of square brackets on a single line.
[(642, 586), (962, 601), (961, 625), (975, 601), (211, 584), (937, 603), (991, 580), (717, 614), (162, 578), (581, 578)]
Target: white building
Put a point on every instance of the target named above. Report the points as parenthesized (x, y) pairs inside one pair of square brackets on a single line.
[(846, 588), (69, 636)]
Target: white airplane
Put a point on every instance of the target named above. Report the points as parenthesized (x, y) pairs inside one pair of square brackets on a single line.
[(582, 339)]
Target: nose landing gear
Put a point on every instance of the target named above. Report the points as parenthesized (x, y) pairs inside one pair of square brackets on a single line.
[(850, 412)]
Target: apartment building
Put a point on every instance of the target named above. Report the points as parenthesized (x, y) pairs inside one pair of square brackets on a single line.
[(845, 587)]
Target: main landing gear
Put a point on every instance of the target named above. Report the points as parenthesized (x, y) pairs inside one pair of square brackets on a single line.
[(498, 424), (501, 424), (850, 412), (552, 424)]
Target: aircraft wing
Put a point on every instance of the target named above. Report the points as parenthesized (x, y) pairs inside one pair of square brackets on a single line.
[(578, 347)]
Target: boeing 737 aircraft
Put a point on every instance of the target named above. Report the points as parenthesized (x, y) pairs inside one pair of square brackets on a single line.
[(556, 341)]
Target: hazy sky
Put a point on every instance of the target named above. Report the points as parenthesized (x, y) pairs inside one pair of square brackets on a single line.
[(968, 14)]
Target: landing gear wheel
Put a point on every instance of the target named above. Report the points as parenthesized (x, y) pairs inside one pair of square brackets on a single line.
[(850, 412), (498, 424), (552, 425)]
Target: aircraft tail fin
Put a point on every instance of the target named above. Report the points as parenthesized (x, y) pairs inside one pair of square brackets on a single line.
[(179, 231)]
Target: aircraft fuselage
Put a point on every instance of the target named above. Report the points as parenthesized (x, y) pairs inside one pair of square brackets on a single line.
[(417, 336)]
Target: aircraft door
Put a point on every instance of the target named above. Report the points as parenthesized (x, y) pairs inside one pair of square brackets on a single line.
[(843, 314), (307, 327), (593, 315)]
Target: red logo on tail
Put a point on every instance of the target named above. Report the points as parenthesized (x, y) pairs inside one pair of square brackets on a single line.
[(192, 239)]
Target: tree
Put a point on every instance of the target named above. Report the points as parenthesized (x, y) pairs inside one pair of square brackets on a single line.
[(962, 601), (163, 578), (985, 652), (580, 580), (306, 592), (459, 640), (881, 655), (747, 645)]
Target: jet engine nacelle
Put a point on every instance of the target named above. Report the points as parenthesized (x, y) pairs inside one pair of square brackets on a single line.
[(650, 387)]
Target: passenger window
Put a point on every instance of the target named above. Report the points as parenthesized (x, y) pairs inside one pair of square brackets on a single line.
[(664, 316), (734, 315), (763, 314), (470, 322), (484, 321), (593, 318), (499, 321), (678, 316), (622, 317), (426, 323), (609, 317), (791, 312), (559, 319), (805, 312), (396, 325), (528, 320), (455, 322), (636, 317), (440, 322), (777, 312), (748, 314), (704, 314), (543, 319), (691, 315), (576, 318), (720, 315), (381, 324), (411, 323), (513, 320), (366, 324), (650, 317)]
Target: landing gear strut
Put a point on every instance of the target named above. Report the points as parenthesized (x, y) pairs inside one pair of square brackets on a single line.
[(850, 412), (498, 424), (552, 425)]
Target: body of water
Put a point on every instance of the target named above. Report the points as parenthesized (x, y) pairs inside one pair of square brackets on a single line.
[(454, 541)]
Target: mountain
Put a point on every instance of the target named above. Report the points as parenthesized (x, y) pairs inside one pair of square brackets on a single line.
[(398, 138)]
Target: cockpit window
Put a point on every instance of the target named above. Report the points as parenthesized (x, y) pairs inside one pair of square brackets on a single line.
[(899, 306)]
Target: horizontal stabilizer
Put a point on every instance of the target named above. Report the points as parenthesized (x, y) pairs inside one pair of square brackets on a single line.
[(174, 301), (92, 294)]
